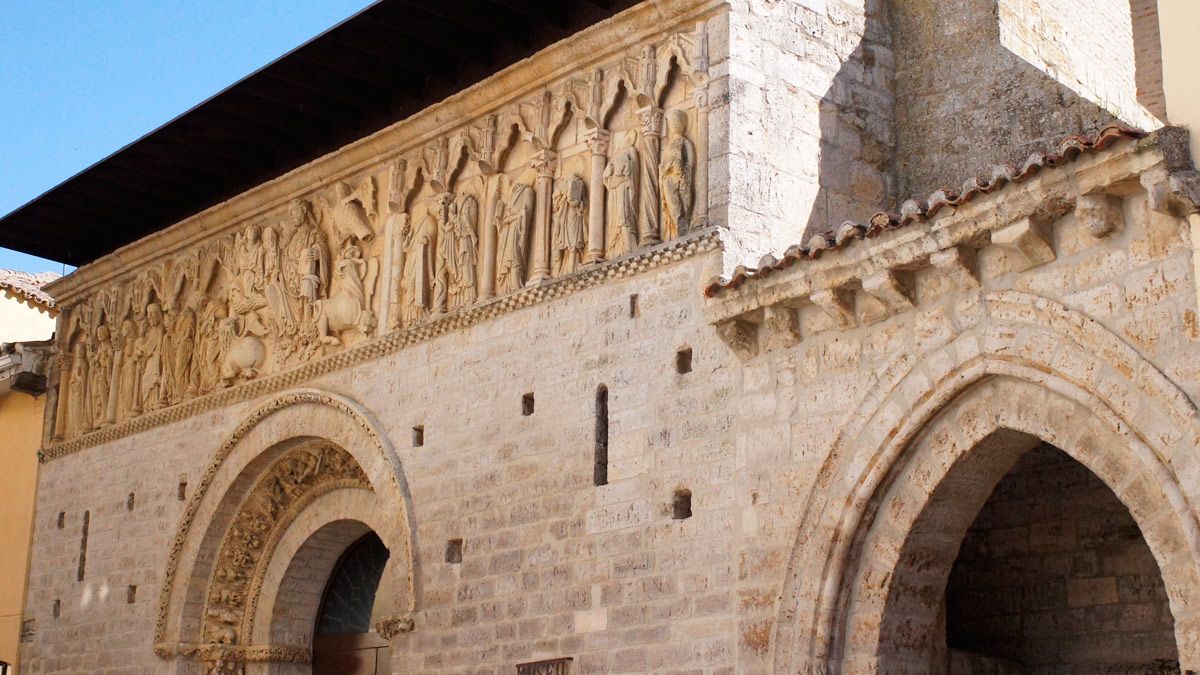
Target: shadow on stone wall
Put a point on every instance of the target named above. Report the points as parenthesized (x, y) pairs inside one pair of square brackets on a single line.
[(962, 104)]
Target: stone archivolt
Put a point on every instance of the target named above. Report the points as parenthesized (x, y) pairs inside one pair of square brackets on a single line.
[(590, 168), (292, 481)]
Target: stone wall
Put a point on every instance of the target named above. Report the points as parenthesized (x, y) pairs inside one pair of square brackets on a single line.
[(809, 120), (837, 418), (1054, 575), (966, 101)]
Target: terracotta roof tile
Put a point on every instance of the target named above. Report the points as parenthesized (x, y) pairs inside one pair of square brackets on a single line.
[(918, 210), (27, 288)]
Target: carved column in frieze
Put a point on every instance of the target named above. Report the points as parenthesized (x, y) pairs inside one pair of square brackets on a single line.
[(598, 147), (543, 163), (700, 214), (651, 118)]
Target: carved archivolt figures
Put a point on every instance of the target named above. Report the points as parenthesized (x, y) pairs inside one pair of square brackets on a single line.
[(586, 170), (301, 474)]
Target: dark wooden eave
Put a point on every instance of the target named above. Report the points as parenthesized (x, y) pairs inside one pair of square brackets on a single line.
[(378, 67)]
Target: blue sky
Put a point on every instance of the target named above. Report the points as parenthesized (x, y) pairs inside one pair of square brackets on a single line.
[(80, 79)]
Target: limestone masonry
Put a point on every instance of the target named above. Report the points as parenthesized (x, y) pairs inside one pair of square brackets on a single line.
[(638, 357)]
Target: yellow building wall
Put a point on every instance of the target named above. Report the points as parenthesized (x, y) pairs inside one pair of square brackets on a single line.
[(1179, 21), (20, 437)]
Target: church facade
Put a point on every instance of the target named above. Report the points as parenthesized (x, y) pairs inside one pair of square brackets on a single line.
[(635, 357)]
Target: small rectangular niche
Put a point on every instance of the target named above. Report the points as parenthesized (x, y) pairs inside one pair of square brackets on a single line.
[(56, 608), (131, 594), (182, 493), (418, 435), (634, 310), (683, 360), (527, 404), (454, 551), (129, 501), (681, 507), (62, 519)]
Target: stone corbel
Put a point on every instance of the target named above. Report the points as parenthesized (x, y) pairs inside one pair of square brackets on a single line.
[(1027, 241), (838, 304), (741, 335), (390, 626), (892, 293), (781, 327), (959, 263), (1176, 194), (1099, 214)]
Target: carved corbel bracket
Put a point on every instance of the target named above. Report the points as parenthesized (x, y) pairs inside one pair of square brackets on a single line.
[(741, 335), (1027, 240), (1099, 214), (1176, 194), (838, 305), (781, 327), (395, 624), (892, 292), (959, 263)]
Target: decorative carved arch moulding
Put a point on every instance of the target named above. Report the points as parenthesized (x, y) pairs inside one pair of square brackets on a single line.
[(1117, 397), (301, 473)]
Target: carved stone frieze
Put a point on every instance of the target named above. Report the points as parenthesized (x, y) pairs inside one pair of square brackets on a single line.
[(589, 167)]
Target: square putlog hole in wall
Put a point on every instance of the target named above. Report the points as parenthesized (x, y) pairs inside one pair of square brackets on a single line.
[(418, 436), (681, 507), (683, 361), (454, 551), (527, 404)]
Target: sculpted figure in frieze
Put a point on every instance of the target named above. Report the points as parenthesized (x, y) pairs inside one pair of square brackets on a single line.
[(418, 268), (570, 209), (589, 166), (350, 306), (79, 415), (125, 368), (677, 174), (152, 345), (446, 259), (513, 222), (101, 371), (463, 289), (306, 260), (621, 182)]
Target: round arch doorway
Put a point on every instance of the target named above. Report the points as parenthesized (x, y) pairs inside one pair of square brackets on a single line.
[(344, 640)]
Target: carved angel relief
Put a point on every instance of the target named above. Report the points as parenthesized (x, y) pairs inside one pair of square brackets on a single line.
[(591, 168)]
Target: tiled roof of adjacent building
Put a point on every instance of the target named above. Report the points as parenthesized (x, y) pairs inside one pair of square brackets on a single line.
[(920, 210), (27, 288)]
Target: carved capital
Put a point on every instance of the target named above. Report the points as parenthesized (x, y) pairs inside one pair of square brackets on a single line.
[(1099, 214), (651, 118), (892, 293), (1027, 241), (544, 163), (741, 335), (391, 626), (838, 305), (959, 263), (597, 141)]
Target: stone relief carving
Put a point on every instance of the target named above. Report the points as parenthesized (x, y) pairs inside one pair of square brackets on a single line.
[(571, 175), (303, 471)]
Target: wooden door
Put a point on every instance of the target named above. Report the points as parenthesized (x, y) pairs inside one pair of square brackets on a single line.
[(353, 654)]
